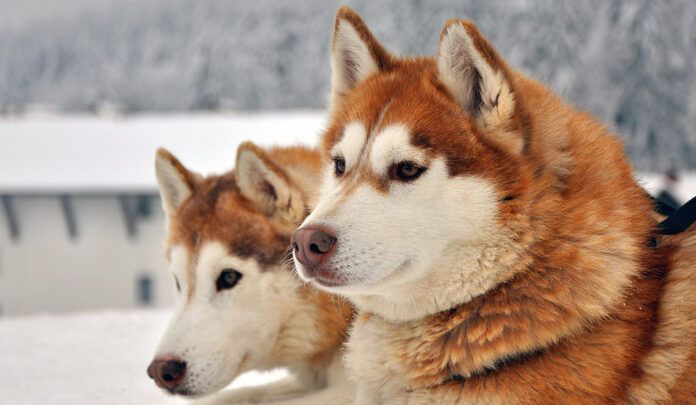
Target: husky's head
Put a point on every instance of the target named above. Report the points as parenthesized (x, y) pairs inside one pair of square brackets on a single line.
[(424, 178), (227, 236)]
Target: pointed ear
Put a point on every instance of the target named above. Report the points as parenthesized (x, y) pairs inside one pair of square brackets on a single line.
[(269, 187), (355, 54), (176, 183), (478, 79)]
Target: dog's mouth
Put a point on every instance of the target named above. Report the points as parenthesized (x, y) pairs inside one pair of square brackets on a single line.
[(198, 389), (184, 392), (328, 279), (325, 277)]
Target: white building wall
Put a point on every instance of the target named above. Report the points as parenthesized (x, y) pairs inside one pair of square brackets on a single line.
[(44, 270)]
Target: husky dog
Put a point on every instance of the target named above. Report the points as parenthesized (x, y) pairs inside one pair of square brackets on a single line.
[(492, 238), (239, 306)]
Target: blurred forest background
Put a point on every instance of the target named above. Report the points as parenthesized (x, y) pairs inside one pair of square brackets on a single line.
[(629, 61)]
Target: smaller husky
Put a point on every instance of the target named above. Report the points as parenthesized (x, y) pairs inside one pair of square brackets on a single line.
[(239, 306)]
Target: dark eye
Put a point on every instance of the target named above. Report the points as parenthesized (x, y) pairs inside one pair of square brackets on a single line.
[(340, 166), (228, 279), (405, 171), (178, 287)]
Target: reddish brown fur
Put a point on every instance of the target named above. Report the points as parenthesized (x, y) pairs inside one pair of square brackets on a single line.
[(560, 328), (216, 211), (334, 314)]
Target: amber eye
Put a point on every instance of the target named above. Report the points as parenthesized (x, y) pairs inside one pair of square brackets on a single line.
[(228, 279), (405, 171), (340, 166)]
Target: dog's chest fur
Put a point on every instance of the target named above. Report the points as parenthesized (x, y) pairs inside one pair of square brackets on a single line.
[(469, 361), (379, 357), (376, 370)]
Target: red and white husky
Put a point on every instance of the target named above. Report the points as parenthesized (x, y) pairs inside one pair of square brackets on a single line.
[(239, 306), (491, 236)]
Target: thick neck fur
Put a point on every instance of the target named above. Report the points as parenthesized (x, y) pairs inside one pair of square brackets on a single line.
[(313, 329), (568, 261), (457, 277)]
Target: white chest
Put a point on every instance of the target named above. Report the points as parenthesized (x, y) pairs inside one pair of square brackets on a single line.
[(371, 362)]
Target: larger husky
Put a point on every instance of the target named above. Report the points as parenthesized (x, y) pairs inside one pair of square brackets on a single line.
[(238, 306), (492, 237)]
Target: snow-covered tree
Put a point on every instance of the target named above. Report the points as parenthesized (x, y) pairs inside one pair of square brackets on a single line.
[(629, 61)]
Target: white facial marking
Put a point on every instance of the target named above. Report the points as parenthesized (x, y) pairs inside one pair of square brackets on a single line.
[(352, 143), (350, 148), (212, 260), (329, 184), (215, 331), (378, 233), (424, 235), (393, 145), (178, 261)]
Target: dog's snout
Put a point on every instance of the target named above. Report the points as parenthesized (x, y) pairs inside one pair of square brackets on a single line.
[(312, 246), (168, 372)]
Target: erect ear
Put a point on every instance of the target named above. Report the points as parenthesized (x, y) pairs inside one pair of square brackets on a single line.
[(355, 54), (478, 79), (269, 187), (176, 183)]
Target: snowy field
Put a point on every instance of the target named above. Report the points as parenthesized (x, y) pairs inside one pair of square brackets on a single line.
[(87, 358)]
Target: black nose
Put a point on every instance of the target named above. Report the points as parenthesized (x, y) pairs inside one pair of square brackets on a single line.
[(312, 246), (167, 371)]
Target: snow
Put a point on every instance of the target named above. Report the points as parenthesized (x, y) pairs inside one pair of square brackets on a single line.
[(92, 154), (683, 191), (87, 358), (628, 61)]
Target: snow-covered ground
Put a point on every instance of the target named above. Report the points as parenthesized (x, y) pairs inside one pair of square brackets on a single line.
[(87, 358)]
